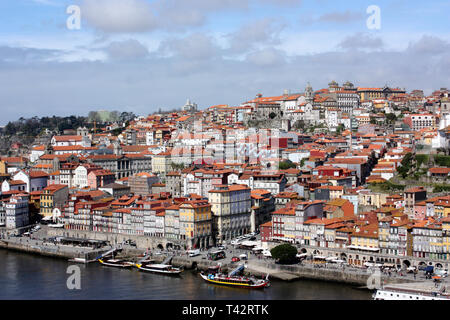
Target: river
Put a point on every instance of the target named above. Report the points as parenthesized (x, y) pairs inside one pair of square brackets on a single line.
[(32, 277)]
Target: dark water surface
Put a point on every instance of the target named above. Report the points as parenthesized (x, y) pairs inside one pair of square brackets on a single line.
[(32, 277)]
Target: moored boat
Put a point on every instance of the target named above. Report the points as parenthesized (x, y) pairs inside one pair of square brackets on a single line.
[(243, 282), (412, 291), (115, 263), (232, 279), (159, 268)]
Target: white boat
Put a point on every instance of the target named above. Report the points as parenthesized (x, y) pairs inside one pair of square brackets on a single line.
[(159, 268), (412, 291), (117, 263)]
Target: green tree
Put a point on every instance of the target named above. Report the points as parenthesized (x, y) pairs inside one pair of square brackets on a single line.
[(94, 116), (286, 164), (391, 118), (300, 124), (406, 165), (284, 253), (340, 128)]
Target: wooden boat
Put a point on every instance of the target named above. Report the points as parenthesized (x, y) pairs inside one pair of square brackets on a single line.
[(115, 263), (242, 282), (159, 268)]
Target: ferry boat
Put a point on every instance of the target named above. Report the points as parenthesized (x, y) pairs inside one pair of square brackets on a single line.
[(233, 280), (159, 268), (412, 291)]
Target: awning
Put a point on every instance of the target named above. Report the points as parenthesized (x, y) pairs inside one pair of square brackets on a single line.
[(258, 249), (338, 261), (320, 257), (363, 248), (301, 255), (330, 258)]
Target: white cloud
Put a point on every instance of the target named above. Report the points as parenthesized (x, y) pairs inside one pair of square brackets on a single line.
[(118, 15)]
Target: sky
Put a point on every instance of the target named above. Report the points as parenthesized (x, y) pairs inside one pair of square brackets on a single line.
[(142, 55)]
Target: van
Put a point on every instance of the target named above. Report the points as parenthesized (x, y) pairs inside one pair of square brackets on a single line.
[(194, 253)]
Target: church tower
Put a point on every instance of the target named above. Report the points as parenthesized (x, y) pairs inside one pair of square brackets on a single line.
[(117, 148), (309, 93)]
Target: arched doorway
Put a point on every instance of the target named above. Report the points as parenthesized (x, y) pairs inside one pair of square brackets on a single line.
[(406, 263), (169, 246), (303, 250), (438, 265), (343, 256), (160, 247)]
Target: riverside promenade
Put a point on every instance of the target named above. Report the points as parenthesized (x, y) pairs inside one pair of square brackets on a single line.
[(255, 265)]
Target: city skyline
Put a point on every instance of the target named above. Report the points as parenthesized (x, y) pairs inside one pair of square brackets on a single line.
[(140, 56)]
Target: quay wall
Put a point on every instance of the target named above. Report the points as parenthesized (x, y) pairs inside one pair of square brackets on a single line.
[(356, 278), (50, 252), (112, 238)]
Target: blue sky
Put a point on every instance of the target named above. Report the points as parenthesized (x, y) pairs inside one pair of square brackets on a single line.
[(140, 55)]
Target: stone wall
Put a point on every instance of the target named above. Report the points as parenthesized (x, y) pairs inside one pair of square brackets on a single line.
[(143, 242), (356, 278)]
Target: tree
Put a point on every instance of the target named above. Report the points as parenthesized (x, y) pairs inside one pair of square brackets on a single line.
[(391, 118), (284, 253), (300, 124), (406, 165), (94, 116), (114, 116), (286, 164)]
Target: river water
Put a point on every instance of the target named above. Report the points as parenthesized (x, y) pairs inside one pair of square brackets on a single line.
[(32, 277)]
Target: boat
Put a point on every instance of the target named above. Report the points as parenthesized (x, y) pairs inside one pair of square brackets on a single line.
[(159, 268), (112, 262), (412, 291), (232, 279), (118, 263)]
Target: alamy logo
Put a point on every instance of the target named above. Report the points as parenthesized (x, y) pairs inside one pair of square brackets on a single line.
[(374, 20), (74, 20), (374, 281), (74, 281)]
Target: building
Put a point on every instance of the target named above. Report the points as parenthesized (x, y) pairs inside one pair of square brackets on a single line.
[(174, 183), (196, 224), (100, 178), (172, 223), (80, 177), (141, 183), (34, 180), (411, 196), (54, 196), (420, 121), (17, 214), (116, 190), (231, 209), (263, 204)]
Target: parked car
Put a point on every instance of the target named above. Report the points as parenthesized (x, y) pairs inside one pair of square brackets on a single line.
[(243, 256), (441, 272), (235, 259)]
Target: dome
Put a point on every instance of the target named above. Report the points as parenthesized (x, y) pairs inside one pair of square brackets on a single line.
[(333, 84)]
